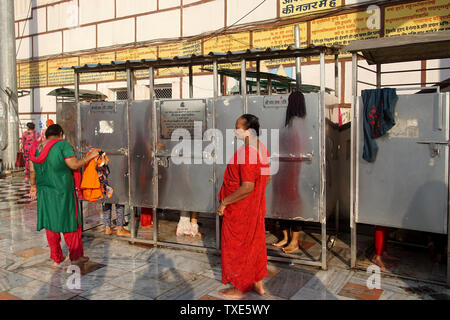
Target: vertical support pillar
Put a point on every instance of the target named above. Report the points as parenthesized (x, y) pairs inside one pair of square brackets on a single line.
[(258, 77), (336, 76), (222, 85), (191, 83), (130, 91), (155, 180), (298, 60), (269, 86), (353, 162), (78, 128), (447, 108), (378, 75), (323, 168), (244, 84), (216, 95)]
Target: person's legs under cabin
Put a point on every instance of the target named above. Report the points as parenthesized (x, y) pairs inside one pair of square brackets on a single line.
[(120, 221)]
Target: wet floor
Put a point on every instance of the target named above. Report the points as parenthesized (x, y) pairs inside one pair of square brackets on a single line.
[(121, 271)]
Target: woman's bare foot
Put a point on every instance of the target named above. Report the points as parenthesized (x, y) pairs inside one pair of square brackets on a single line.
[(382, 264), (291, 248), (259, 288), (280, 244), (232, 293), (80, 260)]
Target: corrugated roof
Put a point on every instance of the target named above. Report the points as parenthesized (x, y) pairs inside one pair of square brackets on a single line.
[(434, 45), (197, 59)]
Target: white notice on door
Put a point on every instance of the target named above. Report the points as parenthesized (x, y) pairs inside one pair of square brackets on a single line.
[(405, 128)]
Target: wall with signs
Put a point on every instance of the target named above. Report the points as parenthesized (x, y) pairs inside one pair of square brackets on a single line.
[(52, 34)]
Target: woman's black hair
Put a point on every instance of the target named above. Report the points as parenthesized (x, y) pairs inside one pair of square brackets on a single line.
[(296, 106), (252, 122), (54, 130), (31, 126)]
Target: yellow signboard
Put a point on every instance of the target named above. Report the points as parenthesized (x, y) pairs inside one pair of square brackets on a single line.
[(169, 51), (95, 59), (342, 29), (189, 48), (135, 54), (304, 7), (417, 17), (33, 74), (279, 38), (61, 77), (228, 42)]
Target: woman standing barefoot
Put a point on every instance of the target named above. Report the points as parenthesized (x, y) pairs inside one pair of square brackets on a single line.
[(243, 207)]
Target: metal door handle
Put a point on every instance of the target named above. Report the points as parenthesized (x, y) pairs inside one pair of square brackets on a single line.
[(435, 147), (294, 158)]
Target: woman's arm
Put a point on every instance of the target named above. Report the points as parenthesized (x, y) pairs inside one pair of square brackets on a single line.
[(33, 189), (75, 164), (241, 193)]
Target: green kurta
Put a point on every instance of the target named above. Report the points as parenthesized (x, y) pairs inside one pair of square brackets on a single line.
[(56, 199)]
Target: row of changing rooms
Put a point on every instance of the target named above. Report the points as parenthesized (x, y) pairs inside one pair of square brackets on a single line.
[(406, 187)]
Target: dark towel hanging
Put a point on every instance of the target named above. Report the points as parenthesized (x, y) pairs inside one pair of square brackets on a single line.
[(296, 106), (378, 117)]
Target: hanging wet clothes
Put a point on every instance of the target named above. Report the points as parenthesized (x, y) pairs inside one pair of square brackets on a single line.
[(94, 184), (378, 117)]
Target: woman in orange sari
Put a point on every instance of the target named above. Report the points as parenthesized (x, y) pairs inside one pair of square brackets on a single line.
[(243, 207)]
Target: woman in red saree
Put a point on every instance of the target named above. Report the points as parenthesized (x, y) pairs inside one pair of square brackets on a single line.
[(243, 207)]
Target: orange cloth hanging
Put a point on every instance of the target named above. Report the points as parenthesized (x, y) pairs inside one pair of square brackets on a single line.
[(91, 186)]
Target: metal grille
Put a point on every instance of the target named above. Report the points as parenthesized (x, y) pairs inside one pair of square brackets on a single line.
[(163, 91), (122, 94)]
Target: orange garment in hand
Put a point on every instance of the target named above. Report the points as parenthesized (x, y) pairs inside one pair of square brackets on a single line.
[(90, 184)]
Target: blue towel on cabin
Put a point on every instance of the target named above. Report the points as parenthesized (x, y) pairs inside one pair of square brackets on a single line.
[(378, 117)]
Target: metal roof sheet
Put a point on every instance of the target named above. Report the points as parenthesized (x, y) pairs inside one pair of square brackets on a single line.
[(197, 59), (434, 45)]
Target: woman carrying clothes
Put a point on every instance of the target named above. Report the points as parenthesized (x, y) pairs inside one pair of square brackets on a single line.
[(52, 183), (243, 207), (29, 138)]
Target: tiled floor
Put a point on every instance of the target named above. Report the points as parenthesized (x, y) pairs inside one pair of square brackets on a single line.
[(118, 270)]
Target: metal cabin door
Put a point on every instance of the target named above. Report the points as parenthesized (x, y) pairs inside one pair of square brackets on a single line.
[(228, 110), (141, 154), (294, 192), (104, 126), (185, 180), (407, 185)]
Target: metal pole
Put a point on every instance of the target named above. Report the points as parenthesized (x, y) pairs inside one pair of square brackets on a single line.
[(298, 60), (154, 156), (323, 196), (258, 77), (215, 78), (244, 84), (269, 86), (336, 76), (353, 160), (130, 91), (378, 75), (78, 128), (447, 108), (9, 115), (77, 104), (191, 83)]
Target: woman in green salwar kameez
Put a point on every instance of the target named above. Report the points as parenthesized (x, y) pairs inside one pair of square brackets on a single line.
[(52, 183)]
